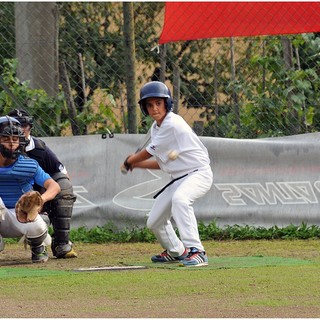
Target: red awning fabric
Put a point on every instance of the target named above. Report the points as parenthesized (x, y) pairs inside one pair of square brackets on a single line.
[(200, 20)]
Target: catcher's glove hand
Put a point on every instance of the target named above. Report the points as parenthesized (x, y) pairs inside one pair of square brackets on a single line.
[(28, 206)]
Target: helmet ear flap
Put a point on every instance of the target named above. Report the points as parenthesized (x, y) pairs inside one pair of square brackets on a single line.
[(169, 104), (143, 108)]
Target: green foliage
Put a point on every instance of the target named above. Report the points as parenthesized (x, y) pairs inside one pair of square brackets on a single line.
[(89, 29), (94, 30), (266, 97), (145, 125), (274, 100), (246, 232), (99, 116), (110, 233), (45, 109)]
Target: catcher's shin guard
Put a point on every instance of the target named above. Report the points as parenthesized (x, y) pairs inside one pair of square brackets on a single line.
[(61, 220), (60, 214), (38, 249)]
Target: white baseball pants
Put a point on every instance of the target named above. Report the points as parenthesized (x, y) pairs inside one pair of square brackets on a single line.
[(176, 202), (10, 227)]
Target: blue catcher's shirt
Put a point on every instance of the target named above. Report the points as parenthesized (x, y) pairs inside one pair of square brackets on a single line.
[(19, 178)]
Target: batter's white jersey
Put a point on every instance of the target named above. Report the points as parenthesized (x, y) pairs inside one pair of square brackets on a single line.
[(175, 134)]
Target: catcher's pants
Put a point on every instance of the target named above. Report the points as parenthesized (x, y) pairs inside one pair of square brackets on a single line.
[(10, 227), (176, 202)]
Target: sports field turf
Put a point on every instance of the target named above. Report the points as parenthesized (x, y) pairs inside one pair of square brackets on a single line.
[(247, 279)]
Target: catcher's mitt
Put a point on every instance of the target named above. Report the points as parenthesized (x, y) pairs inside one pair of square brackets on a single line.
[(28, 206)]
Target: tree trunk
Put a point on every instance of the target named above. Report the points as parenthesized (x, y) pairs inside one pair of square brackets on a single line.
[(36, 28), (234, 93), (176, 87), (303, 105), (72, 113), (129, 58), (292, 118), (216, 101), (163, 62)]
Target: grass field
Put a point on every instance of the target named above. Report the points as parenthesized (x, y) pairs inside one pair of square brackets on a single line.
[(245, 279)]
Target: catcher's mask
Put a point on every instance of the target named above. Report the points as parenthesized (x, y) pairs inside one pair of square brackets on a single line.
[(11, 127), (155, 89), (22, 116)]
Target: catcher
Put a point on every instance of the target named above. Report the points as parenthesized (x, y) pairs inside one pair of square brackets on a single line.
[(19, 204), (60, 208)]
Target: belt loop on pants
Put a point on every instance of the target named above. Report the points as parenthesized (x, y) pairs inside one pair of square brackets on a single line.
[(170, 183)]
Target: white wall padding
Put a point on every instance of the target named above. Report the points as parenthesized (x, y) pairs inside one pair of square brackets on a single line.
[(261, 182)]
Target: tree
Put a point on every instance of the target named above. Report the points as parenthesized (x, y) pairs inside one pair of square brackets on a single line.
[(37, 44), (130, 65), (268, 94), (7, 32)]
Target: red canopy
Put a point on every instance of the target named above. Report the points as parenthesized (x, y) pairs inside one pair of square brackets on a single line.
[(200, 20)]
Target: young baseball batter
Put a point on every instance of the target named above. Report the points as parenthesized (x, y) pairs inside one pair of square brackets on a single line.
[(178, 151)]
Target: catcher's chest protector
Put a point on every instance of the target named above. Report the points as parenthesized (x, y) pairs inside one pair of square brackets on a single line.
[(15, 180)]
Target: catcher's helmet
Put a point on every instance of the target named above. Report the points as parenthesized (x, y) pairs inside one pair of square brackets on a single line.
[(22, 116), (155, 89), (10, 126)]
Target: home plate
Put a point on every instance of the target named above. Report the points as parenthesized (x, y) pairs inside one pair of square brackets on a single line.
[(113, 268)]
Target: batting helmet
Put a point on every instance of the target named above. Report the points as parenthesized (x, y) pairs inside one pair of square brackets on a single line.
[(10, 126), (155, 89), (22, 116)]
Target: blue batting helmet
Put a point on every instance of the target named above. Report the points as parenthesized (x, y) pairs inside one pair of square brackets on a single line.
[(155, 89)]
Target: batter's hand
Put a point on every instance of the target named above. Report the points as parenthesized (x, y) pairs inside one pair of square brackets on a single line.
[(125, 167)]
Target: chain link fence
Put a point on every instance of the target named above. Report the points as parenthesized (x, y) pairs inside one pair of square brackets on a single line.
[(77, 67)]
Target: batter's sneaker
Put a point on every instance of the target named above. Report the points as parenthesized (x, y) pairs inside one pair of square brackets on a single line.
[(39, 254), (165, 257), (195, 258)]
